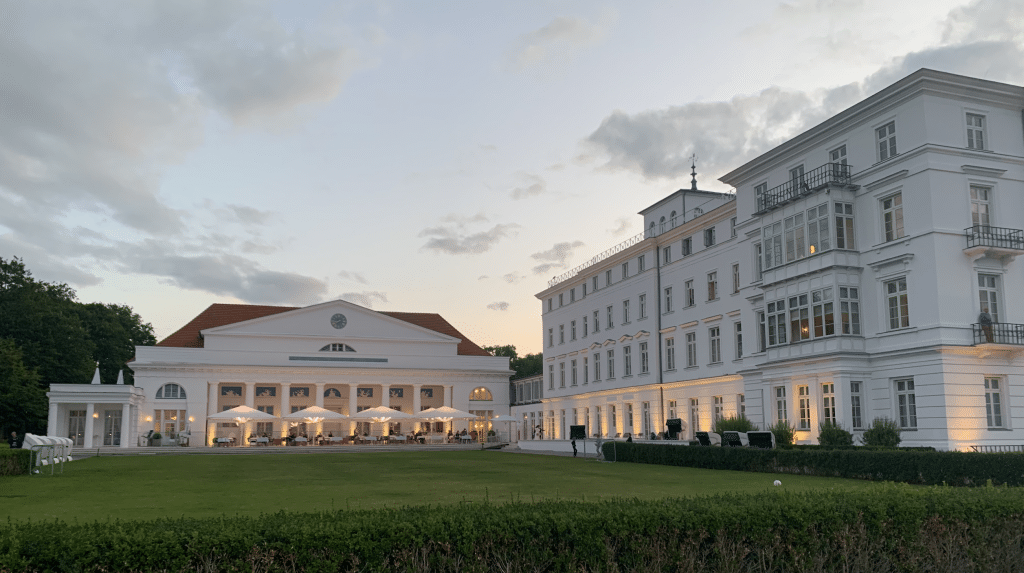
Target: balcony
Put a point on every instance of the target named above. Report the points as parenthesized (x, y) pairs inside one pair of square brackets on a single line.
[(837, 174), (995, 242), (998, 333)]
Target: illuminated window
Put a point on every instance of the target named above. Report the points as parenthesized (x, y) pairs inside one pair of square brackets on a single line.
[(481, 393), (171, 391), (337, 347)]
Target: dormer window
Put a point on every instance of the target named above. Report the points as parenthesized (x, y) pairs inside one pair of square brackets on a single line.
[(170, 392), (337, 347)]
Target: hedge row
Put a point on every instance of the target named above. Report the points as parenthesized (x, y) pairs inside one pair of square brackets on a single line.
[(915, 467), (14, 462), (891, 528)]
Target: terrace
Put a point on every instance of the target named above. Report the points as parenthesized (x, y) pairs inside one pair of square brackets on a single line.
[(829, 174)]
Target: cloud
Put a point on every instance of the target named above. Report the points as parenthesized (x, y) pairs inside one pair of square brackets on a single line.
[(557, 256), (513, 278), (365, 298), (453, 240), (498, 306), (561, 39), (622, 224), (250, 216), (352, 276), (534, 186), (482, 277)]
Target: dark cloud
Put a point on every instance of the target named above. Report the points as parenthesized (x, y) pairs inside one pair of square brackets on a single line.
[(452, 240), (498, 306), (365, 298), (557, 256)]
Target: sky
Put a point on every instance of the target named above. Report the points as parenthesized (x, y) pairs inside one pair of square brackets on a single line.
[(440, 156)]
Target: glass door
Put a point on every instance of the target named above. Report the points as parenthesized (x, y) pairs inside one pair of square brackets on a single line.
[(76, 426), (112, 428)]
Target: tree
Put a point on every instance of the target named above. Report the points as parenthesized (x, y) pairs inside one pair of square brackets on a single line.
[(22, 399), (528, 365), (115, 330)]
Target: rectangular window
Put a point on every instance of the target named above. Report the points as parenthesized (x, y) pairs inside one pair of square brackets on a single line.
[(715, 338), (906, 402), (668, 299), (781, 409), (849, 310), (627, 361), (776, 323), (561, 334), (561, 302), (762, 332), (671, 409), (772, 235), (713, 285), (689, 293), (758, 261), (980, 217), (695, 415), (640, 264), (732, 228), (719, 407), (828, 402), (670, 354), (586, 370), (709, 237), (597, 321), (597, 367), (838, 155), (687, 246), (572, 373), (799, 318), (645, 365), (988, 293), (897, 301), (613, 421), (551, 337), (795, 237), (844, 226), (994, 402), (741, 406), (608, 277), (691, 349), (551, 377), (583, 288), (593, 282), (572, 294), (818, 235), (804, 402), (886, 139), (609, 315), (666, 254), (625, 311), (561, 374), (975, 131), (823, 312), (892, 217), (572, 330), (796, 179), (738, 332), (856, 417), (643, 306), (550, 304), (586, 328), (735, 278), (629, 417), (759, 192), (611, 364)]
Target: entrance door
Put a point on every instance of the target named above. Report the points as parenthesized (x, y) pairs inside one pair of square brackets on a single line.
[(112, 428), (76, 426)]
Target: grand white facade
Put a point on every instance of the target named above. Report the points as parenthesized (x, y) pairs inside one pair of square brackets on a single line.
[(844, 280), (335, 355)]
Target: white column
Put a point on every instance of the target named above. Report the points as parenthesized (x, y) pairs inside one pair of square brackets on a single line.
[(352, 399), (385, 400), (286, 394), (90, 409), (447, 396), (416, 405), (250, 394), (126, 419), (320, 394), (51, 421), (211, 406)]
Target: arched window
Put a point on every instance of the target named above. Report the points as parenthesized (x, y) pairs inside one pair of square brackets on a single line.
[(332, 393), (672, 220), (661, 227), (651, 232), (481, 393), (337, 347), (171, 391)]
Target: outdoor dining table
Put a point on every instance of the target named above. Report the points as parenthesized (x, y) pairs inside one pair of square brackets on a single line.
[(222, 441), (369, 438), (396, 438), (435, 439), (336, 439), (466, 438), (301, 440)]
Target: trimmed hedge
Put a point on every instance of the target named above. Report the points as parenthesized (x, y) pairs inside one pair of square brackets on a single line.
[(14, 462), (907, 466), (887, 529)]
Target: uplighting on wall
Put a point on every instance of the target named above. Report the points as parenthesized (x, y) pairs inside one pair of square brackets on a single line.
[(191, 419), (95, 414), (149, 418)]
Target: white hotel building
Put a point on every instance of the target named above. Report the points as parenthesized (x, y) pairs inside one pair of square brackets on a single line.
[(844, 280)]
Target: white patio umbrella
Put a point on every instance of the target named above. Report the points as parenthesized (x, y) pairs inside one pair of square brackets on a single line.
[(381, 414), (242, 415), (314, 414), (445, 414), (509, 420)]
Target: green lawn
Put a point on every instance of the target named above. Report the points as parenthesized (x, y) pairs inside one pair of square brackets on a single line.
[(144, 487)]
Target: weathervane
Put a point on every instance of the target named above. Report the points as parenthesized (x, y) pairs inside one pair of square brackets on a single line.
[(693, 165)]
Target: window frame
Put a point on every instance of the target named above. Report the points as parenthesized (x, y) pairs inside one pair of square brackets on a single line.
[(670, 354), (828, 402), (803, 394), (995, 403), (902, 318), (691, 349), (885, 141), (906, 402), (893, 222), (975, 132), (715, 345), (856, 404), (713, 285)]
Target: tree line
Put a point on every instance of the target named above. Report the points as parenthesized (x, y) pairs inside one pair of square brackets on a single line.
[(527, 365), (48, 337)]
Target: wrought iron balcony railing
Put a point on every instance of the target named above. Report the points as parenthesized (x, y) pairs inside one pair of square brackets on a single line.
[(999, 333), (813, 180), (995, 237)]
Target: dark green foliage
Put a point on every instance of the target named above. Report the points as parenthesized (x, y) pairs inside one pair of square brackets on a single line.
[(832, 434), (733, 424), (894, 528), (784, 433), (883, 432), (22, 400), (523, 366), (115, 330), (914, 467), (14, 462)]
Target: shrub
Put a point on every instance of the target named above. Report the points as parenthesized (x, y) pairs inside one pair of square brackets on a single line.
[(883, 432), (784, 433), (156, 436), (14, 462), (733, 424), (832, 434)]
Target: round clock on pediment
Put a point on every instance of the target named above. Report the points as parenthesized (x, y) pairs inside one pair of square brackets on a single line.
[(339, 321)]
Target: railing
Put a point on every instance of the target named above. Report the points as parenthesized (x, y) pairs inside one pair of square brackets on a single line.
[(999, 237), (998, 449), (827, 174), (638, 238), (999, 333)]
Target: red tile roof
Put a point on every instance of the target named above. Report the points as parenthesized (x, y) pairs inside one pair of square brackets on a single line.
[(223, 314)]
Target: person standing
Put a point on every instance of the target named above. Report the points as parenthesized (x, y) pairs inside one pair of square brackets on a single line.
[(574, 450), (13, 440)]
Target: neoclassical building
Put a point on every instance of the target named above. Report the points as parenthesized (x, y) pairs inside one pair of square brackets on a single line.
[(336, 355), (851, 276)]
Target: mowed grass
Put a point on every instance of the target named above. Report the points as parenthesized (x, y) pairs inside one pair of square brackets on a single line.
[(144, 487)]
